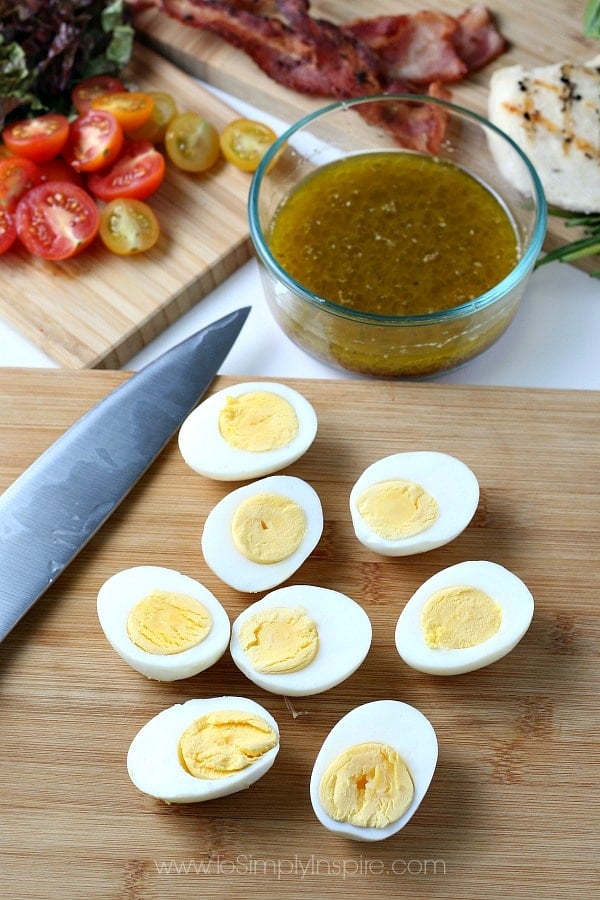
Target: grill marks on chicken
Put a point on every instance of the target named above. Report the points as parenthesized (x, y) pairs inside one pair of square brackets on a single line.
[(404, 53)]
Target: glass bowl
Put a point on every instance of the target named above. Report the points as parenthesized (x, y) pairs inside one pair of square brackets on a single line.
[(377, 343)]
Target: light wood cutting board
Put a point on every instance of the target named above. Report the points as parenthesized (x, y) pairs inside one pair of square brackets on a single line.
[(511, 809), (538, 31), (98, 309)]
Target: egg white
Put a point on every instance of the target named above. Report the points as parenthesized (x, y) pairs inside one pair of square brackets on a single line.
[(446, 478), (153, 759), (207, 452), (223, 557), (504, 587), (122, 591), (345, 634), (391, 722)]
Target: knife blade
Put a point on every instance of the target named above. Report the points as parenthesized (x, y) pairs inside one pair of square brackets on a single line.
[(53, 509)]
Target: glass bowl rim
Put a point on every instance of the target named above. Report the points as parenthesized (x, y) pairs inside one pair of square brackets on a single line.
[(499, 290)]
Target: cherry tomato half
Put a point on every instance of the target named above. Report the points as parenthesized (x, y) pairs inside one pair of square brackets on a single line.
[(56, 220), (17, 176), (95, 141), (138, 172), (88, 90), (130, 108), (164, 109), (192, 143), (245, 142), (8, 230), (128, 226), (58, 169), (39, 139)]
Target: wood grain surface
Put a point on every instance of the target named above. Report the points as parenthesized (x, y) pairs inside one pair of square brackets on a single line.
[(511, 811), (98, 309), (538, 31)]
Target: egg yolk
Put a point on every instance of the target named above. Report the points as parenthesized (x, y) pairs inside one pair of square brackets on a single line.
[(166, 622), (459, 617), (267, 528), (224, 742), (397, 509), (280, 640), (258, 421), (367, 785)]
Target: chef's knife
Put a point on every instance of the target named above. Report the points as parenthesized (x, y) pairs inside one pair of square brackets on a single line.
[(52, 510)]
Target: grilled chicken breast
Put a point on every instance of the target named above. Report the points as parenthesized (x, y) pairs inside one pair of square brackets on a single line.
[(553, 114)]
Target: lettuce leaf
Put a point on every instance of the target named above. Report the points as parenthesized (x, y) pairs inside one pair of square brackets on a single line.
[(48, 46)]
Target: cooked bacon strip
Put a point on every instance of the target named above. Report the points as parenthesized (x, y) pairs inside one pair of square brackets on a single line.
[(385, 54), (417, 126), (416, 48), (313, 57), (477, 40), (429, 46)]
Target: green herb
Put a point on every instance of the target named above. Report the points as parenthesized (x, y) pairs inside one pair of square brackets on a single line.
[(48, 47), (591, 19), (578, 249)]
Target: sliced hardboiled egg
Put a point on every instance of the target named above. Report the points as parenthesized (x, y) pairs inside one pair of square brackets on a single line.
[(412, 502), (203, 749), (247, 431), (373, 770), (300, 640), (260, 534), (464, 617), (164, 624)]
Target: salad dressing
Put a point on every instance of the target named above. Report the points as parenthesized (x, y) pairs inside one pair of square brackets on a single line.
[(394, 233)]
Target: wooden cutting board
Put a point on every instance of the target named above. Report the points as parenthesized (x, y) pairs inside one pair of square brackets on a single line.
[(98, 309), (510, 812), (538, 32)]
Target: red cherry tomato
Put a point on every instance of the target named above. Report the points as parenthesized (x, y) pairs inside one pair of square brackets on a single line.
[(87, 91), (95, 141), (138, 172), (56, 220), (39, 138), (8, 230), (59, 170), (17, 176)]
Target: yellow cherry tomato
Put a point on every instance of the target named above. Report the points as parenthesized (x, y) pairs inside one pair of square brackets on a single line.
[(155, 128), (245, 142), (192, 143), (128, 226), (130, 108)]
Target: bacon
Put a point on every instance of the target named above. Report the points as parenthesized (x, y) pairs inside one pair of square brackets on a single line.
[(312, 56), (415, 125), (415, 48), (430, 46), (416, 53), (478, 41)]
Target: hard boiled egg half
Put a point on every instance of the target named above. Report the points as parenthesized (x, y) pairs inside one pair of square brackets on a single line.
[(203, 749), (373, 770), (412, 502), (300, 640), (260, 534), (163, 623), (463, 618), (247, 431)]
